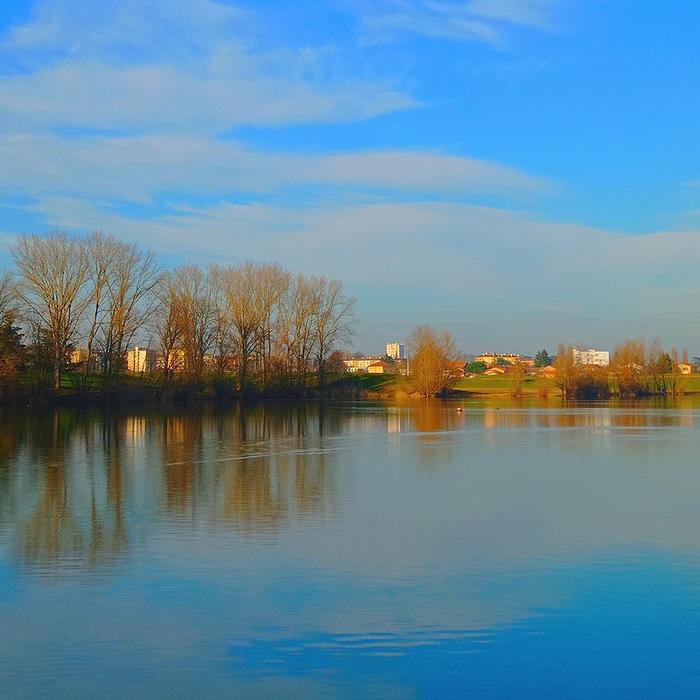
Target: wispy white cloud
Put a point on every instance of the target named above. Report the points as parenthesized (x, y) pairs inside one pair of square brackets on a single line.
[(165, 28), (167, 76), (433, 261), (477, 20), (180, 65), (209, 98), (528, 13), (138, 168)]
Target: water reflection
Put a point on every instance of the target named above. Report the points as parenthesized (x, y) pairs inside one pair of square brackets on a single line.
[(299, 549), (73, 485)]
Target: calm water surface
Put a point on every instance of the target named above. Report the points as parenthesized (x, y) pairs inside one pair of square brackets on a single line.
[(352, 550)]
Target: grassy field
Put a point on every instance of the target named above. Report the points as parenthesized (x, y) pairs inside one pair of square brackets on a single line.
[(374, 382), (479, 384), (533, 385), (691, 384), (475, 385), (497, 386)]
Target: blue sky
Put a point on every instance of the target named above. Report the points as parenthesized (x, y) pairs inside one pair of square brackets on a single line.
[(519, 171)]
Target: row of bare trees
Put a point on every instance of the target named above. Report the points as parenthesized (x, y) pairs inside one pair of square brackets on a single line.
[(96, 290), (257, 321), (259, 318)]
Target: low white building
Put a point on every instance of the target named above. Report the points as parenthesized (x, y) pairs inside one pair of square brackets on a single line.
[(592, 357), (359, 364)]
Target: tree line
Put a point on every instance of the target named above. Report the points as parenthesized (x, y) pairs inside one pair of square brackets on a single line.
[(256, 325), (637, 368)]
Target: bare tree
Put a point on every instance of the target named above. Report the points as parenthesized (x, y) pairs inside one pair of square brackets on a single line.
[(566, 370), (432, 353), (657, 362), (334, 320), (100, 253), (302, 337), (54, 273), (197, 317), (284, 327), (166, 322), (8, 297), (629, 366), (223, 342), (131, 301), (271, 284), (240, 285), (673, 383), (518, 376)]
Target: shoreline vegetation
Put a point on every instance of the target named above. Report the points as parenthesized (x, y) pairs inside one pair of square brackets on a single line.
[(94, 319), (144, 391)]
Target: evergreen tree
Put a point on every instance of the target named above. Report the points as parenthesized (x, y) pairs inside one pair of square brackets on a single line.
[(11, 353), (542, 359)]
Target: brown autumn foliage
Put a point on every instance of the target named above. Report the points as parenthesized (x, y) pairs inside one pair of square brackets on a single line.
[(637, 368), (431, 355), (517, 375), (644, 369)]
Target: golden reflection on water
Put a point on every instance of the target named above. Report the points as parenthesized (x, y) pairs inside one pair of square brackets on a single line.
[(75, 487), (69, 480)]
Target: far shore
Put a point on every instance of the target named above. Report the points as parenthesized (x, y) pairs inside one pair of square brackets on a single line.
[(136, 390)]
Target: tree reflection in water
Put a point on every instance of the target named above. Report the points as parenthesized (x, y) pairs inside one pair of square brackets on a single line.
[(75, 485), (76, 488)]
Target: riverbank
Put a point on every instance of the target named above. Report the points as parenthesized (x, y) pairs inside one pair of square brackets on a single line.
[(132, 389), (397, 388), (480, 385), (144, 389)]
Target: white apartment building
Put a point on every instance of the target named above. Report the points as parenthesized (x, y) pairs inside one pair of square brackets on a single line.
[(141, 360), (395, 351), (592, 357)]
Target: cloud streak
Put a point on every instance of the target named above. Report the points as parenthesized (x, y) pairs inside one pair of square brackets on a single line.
[(170, 66), (487, 273), (486, 21), (211, 98), (139, 168)]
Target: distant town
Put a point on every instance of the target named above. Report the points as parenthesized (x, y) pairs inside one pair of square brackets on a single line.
[(396, 361)]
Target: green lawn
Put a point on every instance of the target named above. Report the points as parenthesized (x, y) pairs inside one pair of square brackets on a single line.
[(371, 382), (691, 384), (480, 384)]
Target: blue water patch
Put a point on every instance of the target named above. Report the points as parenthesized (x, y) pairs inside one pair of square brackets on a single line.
[(629, 630)]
